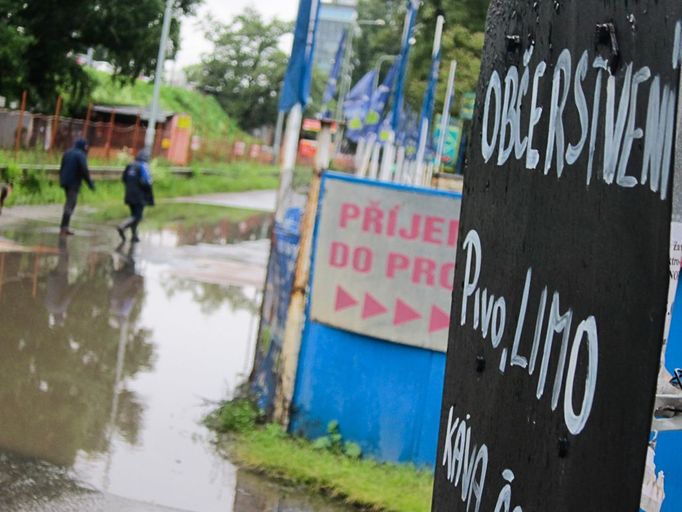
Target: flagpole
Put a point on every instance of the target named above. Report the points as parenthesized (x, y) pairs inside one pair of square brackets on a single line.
[(277, 144), (377, 105), (343, 90), (399, 164), (389, 146), (425, 124), (374, 163), (291, 135), (402, 71), (295, 94), (367, 155), (445, 117)]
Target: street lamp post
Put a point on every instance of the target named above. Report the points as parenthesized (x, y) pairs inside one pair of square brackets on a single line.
[(158, 78)]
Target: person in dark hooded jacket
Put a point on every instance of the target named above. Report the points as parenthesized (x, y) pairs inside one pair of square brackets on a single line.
[(72, 173), (137, 179)]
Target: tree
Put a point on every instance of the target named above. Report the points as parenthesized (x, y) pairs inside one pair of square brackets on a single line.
[(39, 40), (462, 40), (246, 68), (373, 41)]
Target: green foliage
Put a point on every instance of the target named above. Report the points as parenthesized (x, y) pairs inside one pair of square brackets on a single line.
[(334, 443), (208, 117), (459, 43), (30, 182), (236, 416), (375, 42), (40, 37), (13, 44), (470, 14), (38, 188), (462, 41), (363, 483), (172, 213), (246, 67), (11, 173)]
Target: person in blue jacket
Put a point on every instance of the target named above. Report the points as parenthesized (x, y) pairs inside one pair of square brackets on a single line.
[(137, 179), (72, 173)]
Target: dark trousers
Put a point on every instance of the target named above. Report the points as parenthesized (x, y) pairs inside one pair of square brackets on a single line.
[(69, 205), (136, 212)]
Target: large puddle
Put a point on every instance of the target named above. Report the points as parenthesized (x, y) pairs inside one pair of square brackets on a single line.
[(110, 358)]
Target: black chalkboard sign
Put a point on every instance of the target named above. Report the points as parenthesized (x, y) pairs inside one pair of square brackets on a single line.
[(562, 266)]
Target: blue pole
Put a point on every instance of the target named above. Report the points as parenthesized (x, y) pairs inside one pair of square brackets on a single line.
[(410, 20)]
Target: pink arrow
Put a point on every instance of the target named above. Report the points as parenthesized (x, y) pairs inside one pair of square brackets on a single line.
[(344, 300), (404, 313), (439, 320), (372, 307)]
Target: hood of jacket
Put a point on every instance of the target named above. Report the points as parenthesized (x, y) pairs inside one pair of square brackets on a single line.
[(142, 156), (81, 144)]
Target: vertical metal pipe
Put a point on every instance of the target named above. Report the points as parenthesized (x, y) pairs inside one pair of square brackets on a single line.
[(445, 117), (277, 144), (426, 123), (291, 136)]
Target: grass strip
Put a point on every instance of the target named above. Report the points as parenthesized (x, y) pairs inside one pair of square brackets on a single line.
[(169, 214), (360, 482), (34, 187)]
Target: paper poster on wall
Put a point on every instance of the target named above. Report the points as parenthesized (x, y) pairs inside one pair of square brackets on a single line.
[(385, 260)]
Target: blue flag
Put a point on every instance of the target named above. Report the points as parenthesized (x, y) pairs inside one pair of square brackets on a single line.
[(410, 21), (332, 81), (430, 96), (296, 88), (379, 100), (356, 105)]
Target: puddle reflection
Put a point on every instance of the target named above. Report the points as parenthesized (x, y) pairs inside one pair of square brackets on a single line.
[(58, 364), (110, 358), (108, 362)]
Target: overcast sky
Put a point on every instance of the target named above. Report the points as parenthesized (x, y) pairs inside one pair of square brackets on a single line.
[(193, 42)]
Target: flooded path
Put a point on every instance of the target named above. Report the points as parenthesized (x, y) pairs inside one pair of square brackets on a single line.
[(111, 356)]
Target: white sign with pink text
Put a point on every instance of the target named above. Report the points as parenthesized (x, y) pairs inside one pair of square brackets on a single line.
[(385, 260)]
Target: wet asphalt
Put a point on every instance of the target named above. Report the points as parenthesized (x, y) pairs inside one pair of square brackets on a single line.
[(111, 355)]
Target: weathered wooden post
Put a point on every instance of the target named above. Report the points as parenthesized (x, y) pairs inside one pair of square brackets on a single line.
[(20, 125), (561, 286), (55, 122), (88, 117), (136, 132), (110, 133), (295, 316)]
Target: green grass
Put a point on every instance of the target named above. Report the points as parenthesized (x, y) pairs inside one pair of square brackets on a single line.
[(40, 157), (168, 214), (117, 158), (35, 188), (209, 118), (363, 483)]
